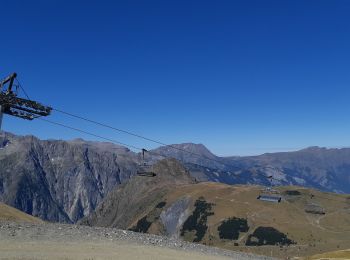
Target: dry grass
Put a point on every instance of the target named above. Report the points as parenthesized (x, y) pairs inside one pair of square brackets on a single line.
[(336, 255), (8, 213), (313, 233)]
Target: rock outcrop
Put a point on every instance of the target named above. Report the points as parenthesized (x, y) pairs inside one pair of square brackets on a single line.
[(60, 180)]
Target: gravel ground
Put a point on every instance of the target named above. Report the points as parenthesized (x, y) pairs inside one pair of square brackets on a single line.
[(59, 241)]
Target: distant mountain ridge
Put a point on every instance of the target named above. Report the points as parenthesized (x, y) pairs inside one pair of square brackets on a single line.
[(321, 168)]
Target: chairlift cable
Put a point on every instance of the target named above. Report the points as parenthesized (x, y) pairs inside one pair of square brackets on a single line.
[(135, 135)]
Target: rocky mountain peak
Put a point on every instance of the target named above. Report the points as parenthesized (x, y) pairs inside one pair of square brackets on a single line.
[(172, 171), (191, 153), (187, 149)]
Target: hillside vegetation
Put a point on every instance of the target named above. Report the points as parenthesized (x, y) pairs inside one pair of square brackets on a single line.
[(196, 212)]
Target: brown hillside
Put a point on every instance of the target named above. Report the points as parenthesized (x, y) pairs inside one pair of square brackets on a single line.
[(8, 213), (312, 232), (163, 207)]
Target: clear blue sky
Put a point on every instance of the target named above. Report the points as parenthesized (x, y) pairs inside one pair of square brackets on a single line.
[(242, 77)]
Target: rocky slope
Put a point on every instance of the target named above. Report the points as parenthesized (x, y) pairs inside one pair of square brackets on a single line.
[(60, 180), (124, 205)]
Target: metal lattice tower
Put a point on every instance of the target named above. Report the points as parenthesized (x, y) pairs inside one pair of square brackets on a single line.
[(13, 105)]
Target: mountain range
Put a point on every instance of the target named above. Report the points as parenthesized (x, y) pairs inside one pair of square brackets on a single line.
[(316, 167), (65, 181)]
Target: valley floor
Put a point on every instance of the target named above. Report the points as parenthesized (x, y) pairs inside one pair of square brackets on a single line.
[(19, 241)]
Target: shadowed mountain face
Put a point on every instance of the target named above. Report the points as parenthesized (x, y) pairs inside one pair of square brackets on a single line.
[(325, 169), (58, 180)]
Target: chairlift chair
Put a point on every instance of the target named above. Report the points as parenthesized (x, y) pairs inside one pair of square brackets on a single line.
[(144, 167)]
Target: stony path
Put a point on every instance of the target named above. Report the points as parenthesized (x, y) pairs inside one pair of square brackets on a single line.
[(58, 241)]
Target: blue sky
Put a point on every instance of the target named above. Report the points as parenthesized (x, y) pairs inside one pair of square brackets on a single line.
[(242, 77)]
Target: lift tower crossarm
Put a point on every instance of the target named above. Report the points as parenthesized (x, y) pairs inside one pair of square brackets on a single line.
[(13, 105), (10, 79)]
